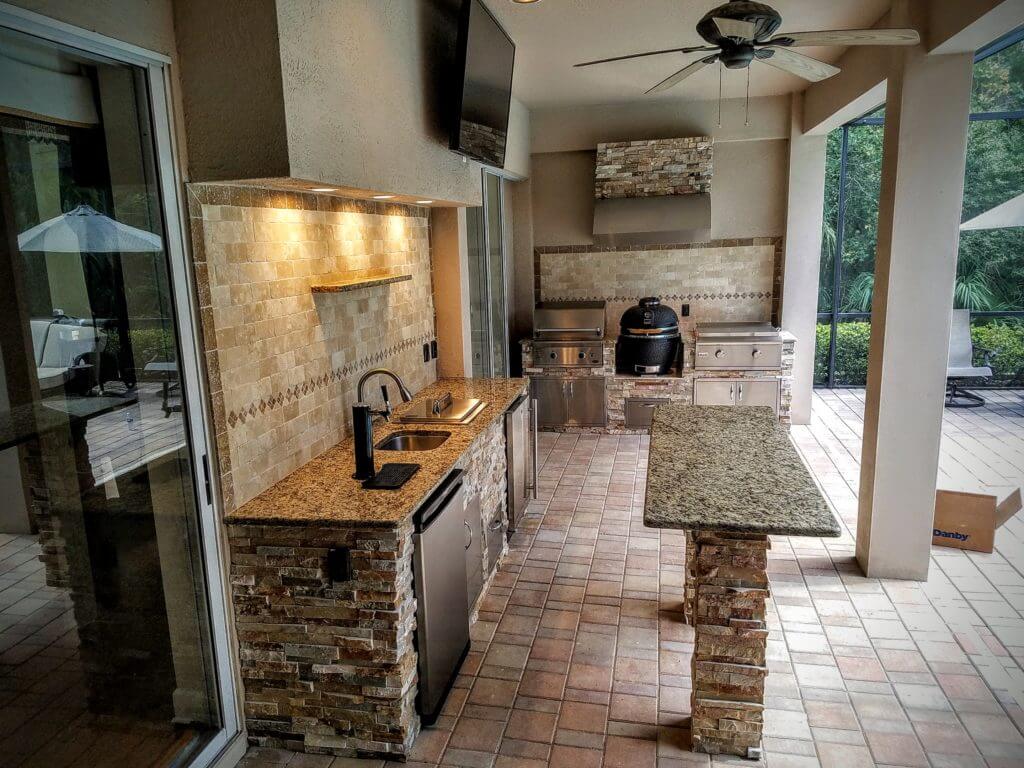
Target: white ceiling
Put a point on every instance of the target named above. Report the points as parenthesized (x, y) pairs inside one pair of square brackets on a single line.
[(552, 35)]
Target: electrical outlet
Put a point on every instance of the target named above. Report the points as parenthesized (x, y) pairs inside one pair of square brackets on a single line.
[(339, 564), (426, 352), (433, 349)]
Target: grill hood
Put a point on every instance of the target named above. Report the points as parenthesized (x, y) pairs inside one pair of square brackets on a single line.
[(652, 220)]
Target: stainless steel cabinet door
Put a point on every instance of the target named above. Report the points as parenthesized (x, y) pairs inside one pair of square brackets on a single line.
[(714, 392), (549, 391), (473, 526), (517, 457), (758, 392), (586, 405)]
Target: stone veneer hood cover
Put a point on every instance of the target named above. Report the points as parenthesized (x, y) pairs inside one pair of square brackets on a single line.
[(650, 192)]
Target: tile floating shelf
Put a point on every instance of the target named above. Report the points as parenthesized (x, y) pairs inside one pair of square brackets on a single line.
[(356, 283)]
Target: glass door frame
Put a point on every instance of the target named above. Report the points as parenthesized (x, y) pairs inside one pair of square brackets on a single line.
[(194, 391), (488, 313)]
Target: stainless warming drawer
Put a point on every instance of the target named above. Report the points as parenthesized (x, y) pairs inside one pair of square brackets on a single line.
[(737, 353), (734, 346)]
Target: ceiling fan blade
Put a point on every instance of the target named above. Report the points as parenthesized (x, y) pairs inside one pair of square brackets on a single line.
[(743, 30), (848, 37), (682, 74), (797, 64), (648, 53)]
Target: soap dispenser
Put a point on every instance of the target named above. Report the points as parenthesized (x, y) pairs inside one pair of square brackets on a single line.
[(362, 430)]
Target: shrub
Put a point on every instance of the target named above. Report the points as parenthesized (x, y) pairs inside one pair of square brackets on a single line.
[(852, 341), (148, 344), (1004, 337)]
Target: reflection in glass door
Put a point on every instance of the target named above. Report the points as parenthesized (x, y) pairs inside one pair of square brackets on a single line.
[(487, 281), (105, 632)]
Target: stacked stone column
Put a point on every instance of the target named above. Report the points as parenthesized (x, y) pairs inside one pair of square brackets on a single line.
[(729, 575)]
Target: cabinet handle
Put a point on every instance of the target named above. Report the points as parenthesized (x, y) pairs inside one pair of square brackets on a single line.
[(732, 391), (533, 457), (741, 393), (470, 529)]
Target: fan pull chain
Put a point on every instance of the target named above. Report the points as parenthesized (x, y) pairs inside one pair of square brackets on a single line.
[(720, 68), (746, 106)]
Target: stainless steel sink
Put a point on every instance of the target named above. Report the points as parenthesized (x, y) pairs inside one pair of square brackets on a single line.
[(408, 440)]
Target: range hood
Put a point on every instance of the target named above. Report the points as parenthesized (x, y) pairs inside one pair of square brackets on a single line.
[(652, 220)]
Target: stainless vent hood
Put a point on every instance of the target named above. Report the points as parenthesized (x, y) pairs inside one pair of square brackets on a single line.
[(652, 220)]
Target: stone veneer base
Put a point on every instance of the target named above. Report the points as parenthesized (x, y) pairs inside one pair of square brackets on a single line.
[(330, 667), (730, 587)]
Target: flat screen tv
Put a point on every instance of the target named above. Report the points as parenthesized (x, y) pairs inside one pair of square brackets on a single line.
[(484, 59)]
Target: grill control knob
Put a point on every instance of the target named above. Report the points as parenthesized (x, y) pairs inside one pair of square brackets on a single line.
[(719, 353), (552, 355), (582, 355)]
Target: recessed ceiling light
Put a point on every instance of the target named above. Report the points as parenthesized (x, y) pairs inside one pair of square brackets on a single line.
[(382, 197), (424, 202), (323, 189)]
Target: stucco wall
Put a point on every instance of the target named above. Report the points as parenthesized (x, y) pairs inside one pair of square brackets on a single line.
[(748, 193), (361, 90), (576, 128), (146, 23), (235, 125)]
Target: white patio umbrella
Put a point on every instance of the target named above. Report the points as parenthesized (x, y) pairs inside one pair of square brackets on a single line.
[(86, 230), (1008, 214)]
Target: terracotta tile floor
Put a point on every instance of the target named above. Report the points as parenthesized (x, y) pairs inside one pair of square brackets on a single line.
[(580, 658)]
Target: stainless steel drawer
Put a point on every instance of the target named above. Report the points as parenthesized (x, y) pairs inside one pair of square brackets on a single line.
[(640, 410), (733, 355)]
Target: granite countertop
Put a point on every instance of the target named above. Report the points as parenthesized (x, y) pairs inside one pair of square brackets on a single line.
[(729, 468), (322, 491)]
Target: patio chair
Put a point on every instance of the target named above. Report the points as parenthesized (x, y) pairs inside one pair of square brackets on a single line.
[(961, 363)]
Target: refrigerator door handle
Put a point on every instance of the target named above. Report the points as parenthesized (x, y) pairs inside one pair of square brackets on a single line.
[(533, 453)]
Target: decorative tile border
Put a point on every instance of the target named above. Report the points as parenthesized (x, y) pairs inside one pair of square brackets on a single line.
[(235, 418), (672, 297)]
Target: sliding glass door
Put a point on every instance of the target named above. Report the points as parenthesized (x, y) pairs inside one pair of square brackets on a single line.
[(109, 622), (488, 281)]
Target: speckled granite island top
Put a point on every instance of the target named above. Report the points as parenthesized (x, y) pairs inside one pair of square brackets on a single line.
[(730, 469), (322, 491)]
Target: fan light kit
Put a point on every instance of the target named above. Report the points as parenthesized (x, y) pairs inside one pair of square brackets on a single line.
[(741, 32)]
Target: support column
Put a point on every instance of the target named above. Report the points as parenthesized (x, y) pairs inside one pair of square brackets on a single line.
[(803, 254), (730, 642), (924, 150)]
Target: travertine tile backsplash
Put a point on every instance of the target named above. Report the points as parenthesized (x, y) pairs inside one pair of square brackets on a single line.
[(284, 361), (720, 280)]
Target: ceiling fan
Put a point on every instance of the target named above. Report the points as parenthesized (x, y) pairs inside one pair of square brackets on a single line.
[(741, 32)]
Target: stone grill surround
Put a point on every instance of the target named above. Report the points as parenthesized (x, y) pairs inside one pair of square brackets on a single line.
[(676, 388), (283, 362), (653, 168)]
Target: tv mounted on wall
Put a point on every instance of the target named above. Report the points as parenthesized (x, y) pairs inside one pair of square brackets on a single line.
[(485, 56)]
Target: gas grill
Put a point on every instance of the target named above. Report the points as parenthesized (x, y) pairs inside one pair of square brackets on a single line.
[(568, 334)]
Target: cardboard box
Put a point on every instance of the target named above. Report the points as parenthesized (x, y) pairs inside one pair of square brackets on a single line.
[(967, 520)]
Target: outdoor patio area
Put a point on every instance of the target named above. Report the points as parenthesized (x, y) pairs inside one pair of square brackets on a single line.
[(581, 660)]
